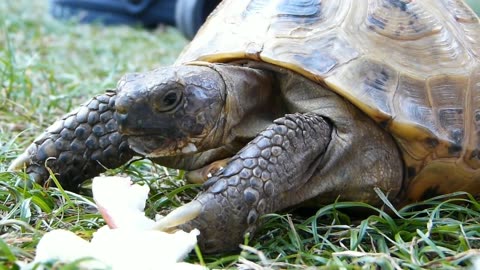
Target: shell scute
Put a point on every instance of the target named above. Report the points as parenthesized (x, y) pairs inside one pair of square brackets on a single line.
[(472, 107), (319, 58), (412, 103), (404, 20), (465, 20), (370, 86)]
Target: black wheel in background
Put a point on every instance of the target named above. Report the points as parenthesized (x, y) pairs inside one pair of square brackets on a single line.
[(191, 14)]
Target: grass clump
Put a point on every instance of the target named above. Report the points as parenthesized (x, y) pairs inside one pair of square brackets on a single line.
[(48, 67)]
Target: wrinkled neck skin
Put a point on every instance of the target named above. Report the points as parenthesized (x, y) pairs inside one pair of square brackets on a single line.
[(249, 108)]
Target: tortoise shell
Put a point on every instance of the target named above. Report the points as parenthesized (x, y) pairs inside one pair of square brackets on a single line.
[(412, 66)]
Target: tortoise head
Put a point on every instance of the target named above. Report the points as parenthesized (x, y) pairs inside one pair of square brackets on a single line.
[(171, 110)]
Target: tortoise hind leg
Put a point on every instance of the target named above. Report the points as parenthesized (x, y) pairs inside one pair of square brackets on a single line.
[(80, 145)]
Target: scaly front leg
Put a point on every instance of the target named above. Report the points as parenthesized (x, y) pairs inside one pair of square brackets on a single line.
[(262, 178), (80, 145)]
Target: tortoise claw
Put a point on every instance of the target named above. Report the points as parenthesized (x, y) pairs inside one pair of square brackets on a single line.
[(20, 162), (179, 216), (201, 175)]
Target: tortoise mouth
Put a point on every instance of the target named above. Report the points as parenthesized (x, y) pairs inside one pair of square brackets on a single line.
[(138, 131), (153, 146)]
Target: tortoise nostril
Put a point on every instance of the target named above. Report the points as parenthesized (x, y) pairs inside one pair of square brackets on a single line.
[(121, 120), (121, 109), (120, 117), (122, 104)]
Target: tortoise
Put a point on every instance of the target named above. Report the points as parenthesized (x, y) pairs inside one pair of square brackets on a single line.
[(280, 103)]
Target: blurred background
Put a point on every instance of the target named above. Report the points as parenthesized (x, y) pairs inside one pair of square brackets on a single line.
[(475, 4), (186, 15)]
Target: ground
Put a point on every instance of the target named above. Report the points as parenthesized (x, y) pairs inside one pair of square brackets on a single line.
[(49, 67)]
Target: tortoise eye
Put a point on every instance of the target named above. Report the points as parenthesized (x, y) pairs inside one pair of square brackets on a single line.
[(168, 101)]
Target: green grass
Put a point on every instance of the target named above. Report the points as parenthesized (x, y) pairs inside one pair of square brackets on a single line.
[(48, 67)]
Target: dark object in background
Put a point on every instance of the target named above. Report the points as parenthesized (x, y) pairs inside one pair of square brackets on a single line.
[(191, 14), (186, 15)]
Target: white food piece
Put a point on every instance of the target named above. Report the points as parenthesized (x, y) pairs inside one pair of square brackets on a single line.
[(127, 242), (121, 203), (130, 249), (475, 262), (52, 246), (190, 148)]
